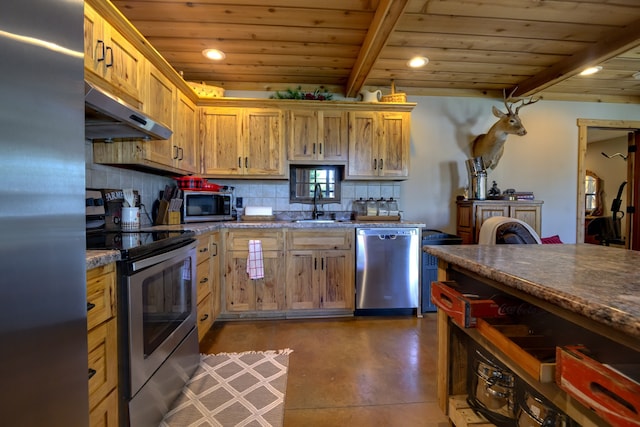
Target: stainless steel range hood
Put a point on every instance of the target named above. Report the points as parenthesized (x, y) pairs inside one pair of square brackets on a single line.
[(109, 118)]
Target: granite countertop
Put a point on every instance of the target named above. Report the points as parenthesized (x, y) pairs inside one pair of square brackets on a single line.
[(598, 282), (98, 258), (204, 227)]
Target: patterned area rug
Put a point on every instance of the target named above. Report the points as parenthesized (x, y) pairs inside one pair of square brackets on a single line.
[(233, 389)]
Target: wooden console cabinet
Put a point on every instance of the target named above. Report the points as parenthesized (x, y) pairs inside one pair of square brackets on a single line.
[(472, 213)]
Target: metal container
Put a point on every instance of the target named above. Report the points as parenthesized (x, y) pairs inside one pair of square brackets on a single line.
[(477, 178), (494, 388), (534, 412)]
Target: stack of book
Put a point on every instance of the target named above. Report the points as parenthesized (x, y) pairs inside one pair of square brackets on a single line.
[(524, 195)]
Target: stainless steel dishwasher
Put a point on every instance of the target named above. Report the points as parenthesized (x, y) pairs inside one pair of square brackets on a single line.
[(387, 268)]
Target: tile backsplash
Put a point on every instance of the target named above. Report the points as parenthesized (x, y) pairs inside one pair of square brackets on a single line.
[(254, 193)]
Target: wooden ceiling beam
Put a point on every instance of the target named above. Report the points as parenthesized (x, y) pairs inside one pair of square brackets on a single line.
[(384, 21), (609, 47)]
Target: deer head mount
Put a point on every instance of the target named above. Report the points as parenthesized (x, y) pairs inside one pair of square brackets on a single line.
[(490, 145)]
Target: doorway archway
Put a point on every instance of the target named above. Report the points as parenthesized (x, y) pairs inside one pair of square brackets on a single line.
[(632, 176)]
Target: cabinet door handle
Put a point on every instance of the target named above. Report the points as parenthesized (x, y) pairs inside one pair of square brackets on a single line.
[(90, 306), (320, 147), (110, 52), (100, 48), (205, 317), (181, 151), (215, 245), (203, 250), (92, 372), (239, 162), (315, 263), (375, 164), (322, 263), (246, 162), (380, 164), (314, 148)]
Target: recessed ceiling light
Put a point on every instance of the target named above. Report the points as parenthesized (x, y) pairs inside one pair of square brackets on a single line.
[(590, 70), (418, 61), (214, 54)]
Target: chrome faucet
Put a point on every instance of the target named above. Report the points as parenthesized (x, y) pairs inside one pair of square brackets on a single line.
[(317, 194)]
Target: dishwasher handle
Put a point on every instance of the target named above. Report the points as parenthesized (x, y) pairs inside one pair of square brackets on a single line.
[(388, 233)]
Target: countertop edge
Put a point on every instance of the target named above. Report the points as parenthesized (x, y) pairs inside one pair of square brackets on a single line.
[(596, 311)]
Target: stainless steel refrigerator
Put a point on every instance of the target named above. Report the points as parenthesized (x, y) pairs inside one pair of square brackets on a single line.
[(43, 331)]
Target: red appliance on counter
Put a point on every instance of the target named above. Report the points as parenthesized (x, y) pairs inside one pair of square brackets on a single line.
[(195, 183)]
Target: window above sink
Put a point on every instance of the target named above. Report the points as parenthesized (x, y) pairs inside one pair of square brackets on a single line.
[(303, 181)]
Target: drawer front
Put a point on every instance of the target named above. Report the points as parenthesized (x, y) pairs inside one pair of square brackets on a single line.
[(463, 310), (613, 396), (204, 279), (238, 240), (205, 316), (103, 361), (203, 251), (101, 295), (320, 239), (533, 353), (105, 414)]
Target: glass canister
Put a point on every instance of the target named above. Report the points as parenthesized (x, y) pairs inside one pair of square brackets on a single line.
[(372, 207), (360, 207), (393, 207), (383, 207)]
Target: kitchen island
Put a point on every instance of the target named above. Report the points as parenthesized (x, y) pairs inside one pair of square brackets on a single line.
[(592, 293)]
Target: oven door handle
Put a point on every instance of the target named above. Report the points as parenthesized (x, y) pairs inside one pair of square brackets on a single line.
[(157, 259)]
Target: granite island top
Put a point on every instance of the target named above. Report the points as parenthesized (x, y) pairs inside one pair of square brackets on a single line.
[(598, 282)]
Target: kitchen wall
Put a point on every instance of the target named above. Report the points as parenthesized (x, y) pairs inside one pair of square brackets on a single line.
[(148, 185), (543, 161), (254, 193)]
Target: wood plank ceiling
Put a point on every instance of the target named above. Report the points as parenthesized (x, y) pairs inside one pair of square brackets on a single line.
[(475, 47)]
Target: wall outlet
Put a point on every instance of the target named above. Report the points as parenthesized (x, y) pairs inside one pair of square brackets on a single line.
[(238, 202)]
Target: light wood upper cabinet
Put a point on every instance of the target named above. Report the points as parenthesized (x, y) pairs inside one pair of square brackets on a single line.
[(242, 142), (378, 145), (110, 56), (166, 104), (159, 98), (317, 135), (185, 135)]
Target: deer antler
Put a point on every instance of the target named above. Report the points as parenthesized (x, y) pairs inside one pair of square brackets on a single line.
[(507, 98), (526, 102)]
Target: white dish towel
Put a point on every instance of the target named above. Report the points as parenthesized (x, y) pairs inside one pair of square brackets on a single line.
[(255, 266)]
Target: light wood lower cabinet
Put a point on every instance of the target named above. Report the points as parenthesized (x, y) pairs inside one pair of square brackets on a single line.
[(306, 273), (320, 266), (472, 213), (243, 294), (102, 346), (208, 281)]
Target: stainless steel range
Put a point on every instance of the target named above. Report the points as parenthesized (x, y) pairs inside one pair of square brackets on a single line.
[(158, 339)]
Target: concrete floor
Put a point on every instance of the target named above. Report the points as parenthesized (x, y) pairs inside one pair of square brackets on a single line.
[(362, 371)]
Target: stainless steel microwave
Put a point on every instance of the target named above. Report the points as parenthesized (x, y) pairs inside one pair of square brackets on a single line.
[(202, 206)]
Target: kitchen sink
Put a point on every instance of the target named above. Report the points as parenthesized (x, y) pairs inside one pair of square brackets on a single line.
[(317, 221)]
